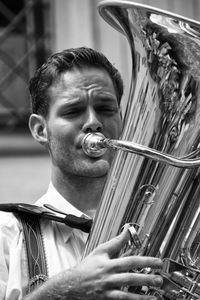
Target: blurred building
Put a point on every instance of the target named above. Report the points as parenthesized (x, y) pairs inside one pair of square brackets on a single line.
[(30, 30)]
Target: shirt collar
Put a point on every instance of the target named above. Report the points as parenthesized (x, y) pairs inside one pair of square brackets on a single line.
[(53, 197)]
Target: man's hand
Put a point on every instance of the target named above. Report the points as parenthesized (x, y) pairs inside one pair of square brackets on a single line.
[(101, 275)]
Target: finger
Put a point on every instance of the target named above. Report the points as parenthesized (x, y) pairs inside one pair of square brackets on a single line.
[(133, 279), (120, 295), (116, 244), (125, 264)]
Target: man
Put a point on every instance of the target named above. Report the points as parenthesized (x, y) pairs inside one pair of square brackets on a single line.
[(75, 92)]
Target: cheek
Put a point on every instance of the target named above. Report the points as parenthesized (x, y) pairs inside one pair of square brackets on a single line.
[(58, 140), (119, 127), (115, 127), (63, 131)]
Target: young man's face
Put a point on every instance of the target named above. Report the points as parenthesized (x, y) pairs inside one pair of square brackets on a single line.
[(82, 101)]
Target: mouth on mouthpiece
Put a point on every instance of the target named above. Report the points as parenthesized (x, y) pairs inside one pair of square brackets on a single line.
[(92, 144)]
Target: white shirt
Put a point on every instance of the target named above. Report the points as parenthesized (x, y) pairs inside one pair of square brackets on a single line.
[(63, 247)]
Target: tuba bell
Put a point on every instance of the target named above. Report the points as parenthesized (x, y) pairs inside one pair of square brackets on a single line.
[(157, 191)]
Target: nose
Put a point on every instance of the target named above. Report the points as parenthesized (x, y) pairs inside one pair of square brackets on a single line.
[(92, 123)]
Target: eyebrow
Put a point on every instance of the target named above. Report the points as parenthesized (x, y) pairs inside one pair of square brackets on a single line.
[(70, 100), (107, 96)]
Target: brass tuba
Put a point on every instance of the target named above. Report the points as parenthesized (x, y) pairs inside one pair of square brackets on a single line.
[(159, 194)]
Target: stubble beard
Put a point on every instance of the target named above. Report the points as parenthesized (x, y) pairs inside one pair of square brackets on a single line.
[(78, 165), (84, 168)]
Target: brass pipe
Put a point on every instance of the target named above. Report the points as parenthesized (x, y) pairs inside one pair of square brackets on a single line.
[(95, 145)]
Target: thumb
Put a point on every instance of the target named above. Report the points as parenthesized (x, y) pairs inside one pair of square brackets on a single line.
[(113, 246)]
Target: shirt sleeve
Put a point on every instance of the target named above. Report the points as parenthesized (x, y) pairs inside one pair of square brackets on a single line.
[(12, 259)]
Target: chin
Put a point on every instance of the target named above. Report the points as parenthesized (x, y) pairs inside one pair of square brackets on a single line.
[(97, 168)]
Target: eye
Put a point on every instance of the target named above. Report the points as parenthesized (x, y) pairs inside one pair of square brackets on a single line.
[(107, 109), (73, 112)]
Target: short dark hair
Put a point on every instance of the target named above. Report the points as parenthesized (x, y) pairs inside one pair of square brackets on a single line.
[(61, 62)]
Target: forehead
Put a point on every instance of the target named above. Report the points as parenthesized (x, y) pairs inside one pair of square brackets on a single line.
[(84, 79)]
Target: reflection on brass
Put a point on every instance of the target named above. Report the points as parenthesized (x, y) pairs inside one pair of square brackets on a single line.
[(95, 145), (162, 113)]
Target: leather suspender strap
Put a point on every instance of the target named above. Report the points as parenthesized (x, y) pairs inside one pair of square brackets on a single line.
[(37, 266), (30, 216), (49, 212)]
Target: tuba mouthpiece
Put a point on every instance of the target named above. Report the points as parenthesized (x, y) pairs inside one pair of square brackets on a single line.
[(92, 144)]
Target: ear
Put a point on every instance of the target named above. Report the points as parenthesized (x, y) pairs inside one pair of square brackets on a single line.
[(38, 128)]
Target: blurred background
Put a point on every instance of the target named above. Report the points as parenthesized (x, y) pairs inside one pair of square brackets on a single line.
[(30, 30)]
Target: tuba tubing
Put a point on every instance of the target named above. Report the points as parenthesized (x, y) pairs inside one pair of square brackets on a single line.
[(94, 145), (155, 192)]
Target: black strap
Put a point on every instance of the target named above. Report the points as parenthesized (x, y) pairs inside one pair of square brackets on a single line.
[(49, 212), (37, 266), (29, 216)]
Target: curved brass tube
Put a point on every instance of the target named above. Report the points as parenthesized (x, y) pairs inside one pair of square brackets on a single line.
[(95, 145)]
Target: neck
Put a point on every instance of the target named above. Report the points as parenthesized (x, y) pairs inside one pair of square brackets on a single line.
[(82, 192)]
